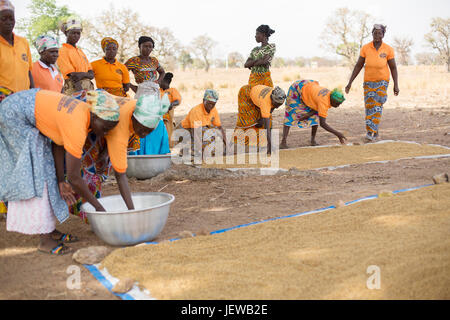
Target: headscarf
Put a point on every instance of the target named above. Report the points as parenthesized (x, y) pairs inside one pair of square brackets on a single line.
[(337, 95), (69, 23), (278, 95), (106, 41), (6, 5), (103, 105), (379, 27), (211, 95), (45, 42), (150, 109)]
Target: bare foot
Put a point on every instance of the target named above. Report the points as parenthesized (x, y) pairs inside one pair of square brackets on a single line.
[(283, 145), (314, 143)]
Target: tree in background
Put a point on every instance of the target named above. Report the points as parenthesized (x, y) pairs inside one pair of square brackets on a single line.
[(185, 59), (278, 62), (45, 19), (126, 27), (202, 47), (167, 47), (346, 32), (438, 38), (402, 46), (428, 58), (235, 60)]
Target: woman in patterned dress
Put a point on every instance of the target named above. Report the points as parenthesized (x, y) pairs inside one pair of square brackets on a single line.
[(144, 67), (261, 57), (378, 59), (149, 75)]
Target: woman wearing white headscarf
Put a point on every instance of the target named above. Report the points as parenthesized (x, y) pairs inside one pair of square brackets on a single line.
[(73, 63), (45, 73)]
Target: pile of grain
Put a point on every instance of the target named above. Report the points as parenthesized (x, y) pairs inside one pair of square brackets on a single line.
[(312, 158), (321, 256)]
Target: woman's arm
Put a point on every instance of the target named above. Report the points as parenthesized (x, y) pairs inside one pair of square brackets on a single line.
[(307, 115), (124, 188), (126, 87), (266, 123), (64, 188), (133, 87), (31, 80), (393, 67), (324, 124), (162, 73), (174, 104), (358, 66), (73, 166), (264, 61)]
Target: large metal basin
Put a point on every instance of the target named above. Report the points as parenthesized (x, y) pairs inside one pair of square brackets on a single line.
[(148, 166), (121, 227)]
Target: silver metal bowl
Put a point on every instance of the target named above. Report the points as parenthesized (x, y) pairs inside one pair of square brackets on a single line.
[(148, 166), (121, 227)]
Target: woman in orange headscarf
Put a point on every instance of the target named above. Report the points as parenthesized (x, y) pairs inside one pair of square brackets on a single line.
[(111, 75)]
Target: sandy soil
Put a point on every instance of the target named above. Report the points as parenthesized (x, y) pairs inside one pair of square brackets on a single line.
[(220, 203)]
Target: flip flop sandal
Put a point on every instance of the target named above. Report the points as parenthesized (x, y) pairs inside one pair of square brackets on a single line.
[(67, 238), (59, 250)]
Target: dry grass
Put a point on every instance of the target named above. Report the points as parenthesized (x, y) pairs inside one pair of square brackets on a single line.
[(420, 86)]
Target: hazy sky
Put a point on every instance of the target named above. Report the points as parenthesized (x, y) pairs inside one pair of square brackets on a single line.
[(298, 23)]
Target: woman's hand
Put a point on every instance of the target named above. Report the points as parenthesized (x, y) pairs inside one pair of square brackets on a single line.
[(347, 88), (396, 90), (342, 138), (66, 193)]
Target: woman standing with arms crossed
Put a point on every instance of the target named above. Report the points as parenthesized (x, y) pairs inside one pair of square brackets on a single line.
[(376, 56), (261, 58)]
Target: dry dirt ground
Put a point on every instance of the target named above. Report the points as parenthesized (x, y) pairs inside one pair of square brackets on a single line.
[(208, 205)]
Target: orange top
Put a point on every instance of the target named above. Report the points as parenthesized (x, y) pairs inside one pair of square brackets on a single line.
[(317, 98), (72, 59), (117, 138), (260, 96), (172, 93), (43, 79), (63, 119), (198, 117), (110, 75), (15, 63), (376, 66)]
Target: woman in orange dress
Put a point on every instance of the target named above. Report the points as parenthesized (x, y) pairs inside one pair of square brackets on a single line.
[(73, 63), (45, 73), (378, 59), (111, 75)]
